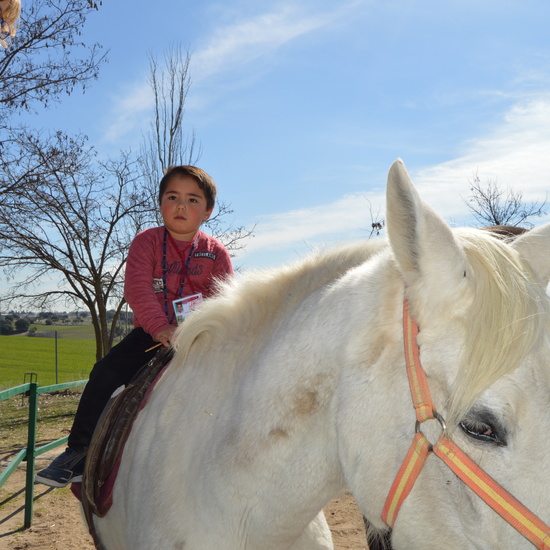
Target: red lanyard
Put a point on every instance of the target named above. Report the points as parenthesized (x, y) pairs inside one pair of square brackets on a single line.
[(184, 269)]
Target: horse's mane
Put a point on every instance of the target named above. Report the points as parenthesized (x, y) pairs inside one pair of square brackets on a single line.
[(252, 302), (508, 316)]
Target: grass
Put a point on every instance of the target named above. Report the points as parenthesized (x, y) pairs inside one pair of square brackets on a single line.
[(83, 331), (20, 355), (55, 415)]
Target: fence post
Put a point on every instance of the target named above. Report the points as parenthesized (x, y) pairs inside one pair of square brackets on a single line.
[(31, 448), (56, 361)]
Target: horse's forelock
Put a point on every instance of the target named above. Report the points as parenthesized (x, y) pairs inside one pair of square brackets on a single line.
[(507, 318)]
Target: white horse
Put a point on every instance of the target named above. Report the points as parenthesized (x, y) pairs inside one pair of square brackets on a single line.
[(291, 385)]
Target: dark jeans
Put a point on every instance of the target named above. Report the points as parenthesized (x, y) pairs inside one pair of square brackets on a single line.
[(117, 368)]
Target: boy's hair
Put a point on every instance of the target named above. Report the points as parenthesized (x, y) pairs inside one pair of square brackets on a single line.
[(204, 181)]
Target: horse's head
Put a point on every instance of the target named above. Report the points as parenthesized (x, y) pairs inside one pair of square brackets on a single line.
[(483, 314)]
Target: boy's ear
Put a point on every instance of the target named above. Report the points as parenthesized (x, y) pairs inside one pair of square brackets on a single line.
[(207, 215)]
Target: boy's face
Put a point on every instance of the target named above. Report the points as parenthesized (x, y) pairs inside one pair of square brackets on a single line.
[(183, 207)]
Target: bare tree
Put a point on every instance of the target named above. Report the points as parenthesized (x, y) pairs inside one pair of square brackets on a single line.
[(492, 205), (377, 222), (47, 58), (67, 224), (165, 144), (18, 169), (67, 219)]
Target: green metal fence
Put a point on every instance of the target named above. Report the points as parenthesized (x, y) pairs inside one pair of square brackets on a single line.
[(30, 452)]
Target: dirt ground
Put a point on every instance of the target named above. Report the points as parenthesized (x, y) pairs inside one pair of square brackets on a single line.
[(57, 523)]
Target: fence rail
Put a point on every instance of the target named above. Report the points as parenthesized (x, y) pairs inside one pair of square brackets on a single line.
[(30, 452)]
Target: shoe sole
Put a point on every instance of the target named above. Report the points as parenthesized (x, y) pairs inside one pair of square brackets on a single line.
[(56, 484)]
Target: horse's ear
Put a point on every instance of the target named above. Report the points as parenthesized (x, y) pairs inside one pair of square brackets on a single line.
[(534, 248), (423, 244)]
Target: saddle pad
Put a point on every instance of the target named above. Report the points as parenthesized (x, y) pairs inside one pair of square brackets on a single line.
[(114, 426)]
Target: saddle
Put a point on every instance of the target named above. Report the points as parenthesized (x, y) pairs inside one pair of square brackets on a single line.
[(110, 435)]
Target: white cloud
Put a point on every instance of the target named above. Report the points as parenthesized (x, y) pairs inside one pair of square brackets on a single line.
[(346, 218), (514, 152), (247, 40), (126, 113), (230, 47)]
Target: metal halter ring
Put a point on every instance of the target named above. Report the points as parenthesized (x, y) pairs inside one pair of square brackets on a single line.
[(439, 418)]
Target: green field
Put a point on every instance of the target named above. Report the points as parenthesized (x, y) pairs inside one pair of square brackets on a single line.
[(83, 331), (21, 354)]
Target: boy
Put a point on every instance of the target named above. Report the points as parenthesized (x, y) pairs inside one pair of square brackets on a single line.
[(164, 264)]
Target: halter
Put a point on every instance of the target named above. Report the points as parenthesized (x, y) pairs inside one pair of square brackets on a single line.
[(501, 501)]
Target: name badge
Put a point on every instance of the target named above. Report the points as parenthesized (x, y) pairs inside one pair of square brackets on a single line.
[(183, 307)]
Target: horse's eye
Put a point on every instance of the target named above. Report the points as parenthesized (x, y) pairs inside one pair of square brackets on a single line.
[(478, 429)]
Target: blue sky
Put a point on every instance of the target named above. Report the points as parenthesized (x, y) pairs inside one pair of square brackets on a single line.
[(301, 107)]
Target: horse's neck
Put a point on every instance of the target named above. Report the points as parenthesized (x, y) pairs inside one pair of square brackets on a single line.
[(297, 355), (266, 413)]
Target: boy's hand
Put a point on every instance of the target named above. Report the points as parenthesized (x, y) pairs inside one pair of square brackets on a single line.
[(165, 335)]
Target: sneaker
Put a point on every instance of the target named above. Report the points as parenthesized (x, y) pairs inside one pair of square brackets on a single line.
[(67, 468)]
